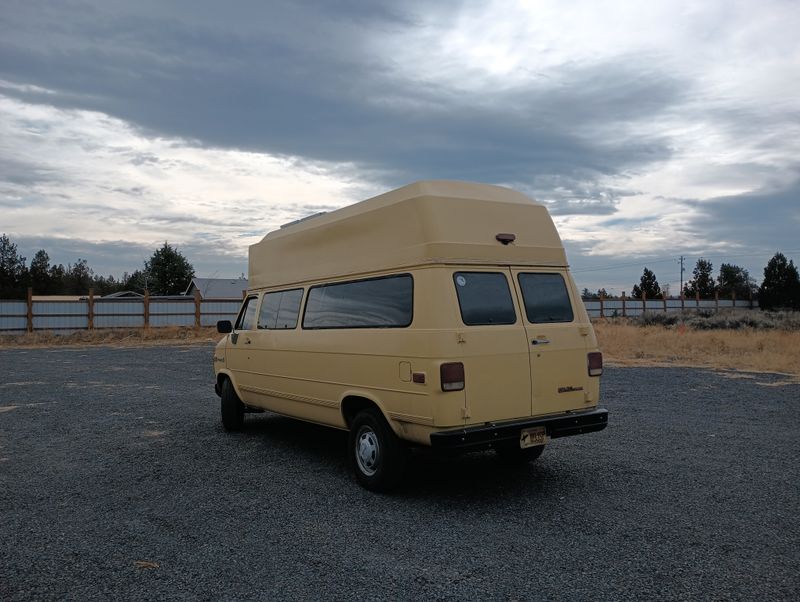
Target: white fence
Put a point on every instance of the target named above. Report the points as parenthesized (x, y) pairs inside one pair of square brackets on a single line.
[(607, 308), (17, 317)]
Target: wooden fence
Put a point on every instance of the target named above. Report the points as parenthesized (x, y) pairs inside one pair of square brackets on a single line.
[(92, 312)]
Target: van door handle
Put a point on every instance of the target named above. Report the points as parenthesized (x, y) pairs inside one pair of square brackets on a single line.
[(247, 341), (540, 341)]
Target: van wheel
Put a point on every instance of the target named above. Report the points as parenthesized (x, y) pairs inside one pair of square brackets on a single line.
[(232, 408), (378, 457), (512, 454)]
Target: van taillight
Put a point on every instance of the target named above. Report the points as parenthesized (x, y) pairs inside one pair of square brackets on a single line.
[(452, 376), (595, 361)]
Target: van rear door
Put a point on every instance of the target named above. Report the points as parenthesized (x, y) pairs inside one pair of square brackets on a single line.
[(493, 345), (557, 348)]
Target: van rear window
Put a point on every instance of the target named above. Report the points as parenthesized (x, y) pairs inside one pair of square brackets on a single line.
[(546, 298), (484, 298), (375, 303)]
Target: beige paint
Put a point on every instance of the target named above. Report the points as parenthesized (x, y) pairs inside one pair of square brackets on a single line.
[(429, 230)]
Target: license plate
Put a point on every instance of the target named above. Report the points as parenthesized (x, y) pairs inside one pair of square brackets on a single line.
[(533, 436)]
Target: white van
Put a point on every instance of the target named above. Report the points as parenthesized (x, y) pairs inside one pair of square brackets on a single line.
[(440, 314)]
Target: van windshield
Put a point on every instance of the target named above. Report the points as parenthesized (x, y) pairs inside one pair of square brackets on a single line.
[(546, 298), (484, 298)]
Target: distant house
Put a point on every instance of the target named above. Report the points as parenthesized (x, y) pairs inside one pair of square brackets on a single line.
[(218, 288)]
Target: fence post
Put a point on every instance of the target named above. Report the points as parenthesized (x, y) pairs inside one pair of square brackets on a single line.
[(683, 301), (196, 308), (664, 298), (602, 299), (90, 315), (30, 310), (716, 300), (697, 300), (733, 297), (751, 298), (623, 305), (146, 302), (644, 302)]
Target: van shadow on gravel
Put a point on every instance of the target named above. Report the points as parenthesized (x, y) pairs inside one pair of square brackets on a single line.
[(431, 475)]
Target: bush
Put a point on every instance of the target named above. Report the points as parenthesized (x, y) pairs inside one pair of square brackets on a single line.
[(723, 320), (658, 319)]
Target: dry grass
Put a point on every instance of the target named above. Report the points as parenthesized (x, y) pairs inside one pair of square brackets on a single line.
[(745, 349), (622, 343), (121, 337)]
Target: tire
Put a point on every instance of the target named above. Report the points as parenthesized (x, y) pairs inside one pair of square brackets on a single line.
[(378, 457), (512, 454), (231, 408)]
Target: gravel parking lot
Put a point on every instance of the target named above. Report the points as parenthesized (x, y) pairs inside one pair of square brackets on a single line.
[(117, 481)]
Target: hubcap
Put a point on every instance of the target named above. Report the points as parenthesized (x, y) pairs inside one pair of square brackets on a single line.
[(368, 451)]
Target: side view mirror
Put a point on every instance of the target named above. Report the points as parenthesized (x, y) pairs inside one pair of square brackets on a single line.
[(224, 326)]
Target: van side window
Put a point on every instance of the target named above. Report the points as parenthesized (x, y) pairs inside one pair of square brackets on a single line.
[(247, 317), (386, 302), (279, 310), (484, 298), (546, 298)]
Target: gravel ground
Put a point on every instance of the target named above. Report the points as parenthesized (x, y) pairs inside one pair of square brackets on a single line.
[(111, 459)]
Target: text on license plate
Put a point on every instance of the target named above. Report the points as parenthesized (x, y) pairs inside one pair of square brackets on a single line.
[(533, 436)]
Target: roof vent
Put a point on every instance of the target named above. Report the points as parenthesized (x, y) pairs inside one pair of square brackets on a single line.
[(506, 238)]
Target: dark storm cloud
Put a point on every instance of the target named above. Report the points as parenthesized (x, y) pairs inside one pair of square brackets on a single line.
[(298, 79), (214, 254), (758, 221)]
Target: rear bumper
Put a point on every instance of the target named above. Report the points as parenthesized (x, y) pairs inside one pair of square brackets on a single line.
[(563, 425)]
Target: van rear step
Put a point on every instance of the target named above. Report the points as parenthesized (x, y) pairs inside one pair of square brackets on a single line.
[(562, 425)]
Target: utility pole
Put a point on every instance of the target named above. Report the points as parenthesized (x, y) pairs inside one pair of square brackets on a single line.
[(682, 258)]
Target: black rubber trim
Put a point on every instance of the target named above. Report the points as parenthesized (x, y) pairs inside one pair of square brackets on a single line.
[(563, 425)]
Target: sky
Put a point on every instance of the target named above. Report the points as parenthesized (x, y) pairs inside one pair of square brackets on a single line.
[(651, 130)]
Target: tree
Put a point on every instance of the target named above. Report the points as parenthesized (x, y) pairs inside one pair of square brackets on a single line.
[(733, 279), (13, 272), (702, 281), (78, 278), (57, 274), (587, 295), (168, 272), (781, 285), (40, 279), (648, 285)]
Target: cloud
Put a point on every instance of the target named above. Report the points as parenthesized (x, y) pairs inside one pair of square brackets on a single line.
[(758, 221), (149, 121), (95, 178)]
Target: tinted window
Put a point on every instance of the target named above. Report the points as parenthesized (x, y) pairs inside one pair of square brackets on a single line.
[(247, 317), (280, 310), (376, 303), (484, 298), (546, 298)]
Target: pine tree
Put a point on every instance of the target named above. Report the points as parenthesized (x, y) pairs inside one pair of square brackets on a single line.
[(702, 281), (733, 279), (781, 285), (13, 272), (168, 272), (41, 282), (648, 285)]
